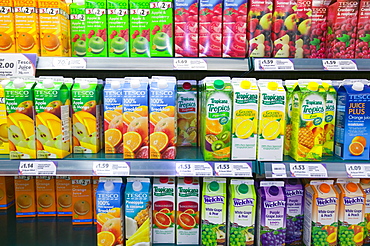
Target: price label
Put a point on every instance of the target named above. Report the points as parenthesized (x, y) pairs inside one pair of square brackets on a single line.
[(233, 169), (69, 63), (106, 168), (305, 170), (278, 170), (194, 169), (17, 65), (269, 64), (339, 65), (358, 171), (189, 64), (39, 168)]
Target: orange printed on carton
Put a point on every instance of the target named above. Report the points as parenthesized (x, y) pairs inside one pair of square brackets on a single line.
[(45, 193), (64, 195), (7, 39), (82, 212), (25, 193), (6, 192)]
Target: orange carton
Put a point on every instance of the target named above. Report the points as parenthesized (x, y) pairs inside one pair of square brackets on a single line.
[(7, 40), (64, 195), (45, 192), (6, 192), (95, 184), (82, 200), (25, 196)]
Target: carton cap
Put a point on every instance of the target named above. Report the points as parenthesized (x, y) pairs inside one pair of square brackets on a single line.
[(186, 86), (5, 82), (162, 84), (135, 83), (115, 84), (313, 86), (243, 189), (79, 2), (272, 86), (325, 188), (219, 84), (292, 181), (245, 84), (358, 86), (188, 180), (48, 83), (352, 187), (365, 181), (325, 85), (84, 84), (108, 186), (163, 180), (19, 83), (274, 190), (137, 186), (214, 186)]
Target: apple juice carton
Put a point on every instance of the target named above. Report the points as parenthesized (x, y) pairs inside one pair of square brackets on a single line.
[(7, 28), (45, 193), (4, 141), (140, 19), (6, 192), (163, 117), (352, 133), (138, 211), (214, 203), (330, 113), (63, 189), (303, 24), (78, 28), (271, 121), (188, 203), (187, 113), (245, 119), (118, 28), (242, 212), (21, 125), (210, 28), (186, 28), (271, 218), (96, 28), (109, 210), (82, 201), (164, 210), (25, 196), (294, 208), (365, 184), (362, 39)]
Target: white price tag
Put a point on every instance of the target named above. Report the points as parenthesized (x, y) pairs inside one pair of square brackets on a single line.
[(339, 65), (110, 168), (194, 169), (308, 170), (189, 64), (278, 170), (233, 169), (69, 63), (272, 64), (17, 65), (358, 171), (40, 168), (27, 168)]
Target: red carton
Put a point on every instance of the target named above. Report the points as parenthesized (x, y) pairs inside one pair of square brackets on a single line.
[(363, 30), (304, 21)]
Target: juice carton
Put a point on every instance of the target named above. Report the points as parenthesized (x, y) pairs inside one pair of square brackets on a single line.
[(163, 117), (234, 27), (138, 211), (7, 28), (186, 28), (86, 116), (294, 208), (188, 195), (6, 192), (52, 105), (164, 211), (271, 218), (259, 28), (21, 125), (109, 210), (187, 112), (26, 21), (303, 24), (213, 214), (161, 41), (63, 186), (95, 183), (245, 119), (352, 131), (330, 112), (82, 200), (25, 196), (321, 207), (365, 184), (242, 212), (118, 24), (216, 118), (308, 121), (140, 18), (113, 125), (135, 105), (271, 120), (96, 28), (289, 86), (362, 30), (351, 211), (78, 28), (45, 193), (4, 141)]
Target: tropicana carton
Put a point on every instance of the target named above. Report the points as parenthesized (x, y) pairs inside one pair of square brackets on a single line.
[(25, 196), (7, 34), (45, 192)]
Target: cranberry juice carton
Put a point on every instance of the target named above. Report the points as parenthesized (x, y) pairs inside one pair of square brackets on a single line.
[(82, 201), (78, 29), (109, 210), (45, 193), (294, 208), (210, 28), (303, 33), (363, 29), (118, 28), (25, 196), (330, 116), (63, 186), (140, 19), (7, 29), (96, 28), (365, 185), (4, 139), (164, 211), (188, 203), (6, 192), (186, 28)]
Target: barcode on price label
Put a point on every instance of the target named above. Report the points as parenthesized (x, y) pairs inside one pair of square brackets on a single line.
[(194, 169), (266, 64), (339, 65), (278, 170), (189, 64)]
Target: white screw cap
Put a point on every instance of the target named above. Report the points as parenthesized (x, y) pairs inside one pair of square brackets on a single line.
[(358, 86), (108, 186), (137, 186)]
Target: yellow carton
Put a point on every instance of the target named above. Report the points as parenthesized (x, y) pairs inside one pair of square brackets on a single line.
[(45, 192), (7, 39), (64, 195), (82, 200), (25, 194), (6, 192)]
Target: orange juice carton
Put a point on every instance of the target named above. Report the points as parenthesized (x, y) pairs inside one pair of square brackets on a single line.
[(163, 111), (82, 212), (96, 28), (118, 28), (188, 204), (187, 113), (113, 124), (63, 186), (95, 183), (330, 114), (78, 28), (4, 141), (351, 211), (109, 210), (45, 193), (27, 31), (25, 196), (6, 192), (321, 209), (7, 39), (135, 105), (19, 100), (164, 210), (365, 184)]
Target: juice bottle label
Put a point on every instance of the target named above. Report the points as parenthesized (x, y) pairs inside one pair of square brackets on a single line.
[(78, 30), (63, 186), (96, 28), (6, 192), (7, 29), (118, 28), (140, 18), (82, 200), (4, 139), (45, 192), (25, 196)]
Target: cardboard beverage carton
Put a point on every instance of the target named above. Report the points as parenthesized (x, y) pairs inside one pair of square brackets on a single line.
[(140, 19), (362, 30), (330, 116), (78, 29), (4, 139), (289, 86), (6, 192), (82, 196), (365, 185), (45, 192), (303, 22), (294, 223), (63, 186), (7, 28), (96, 28), (95, 183), (25, 196), (118, 28)]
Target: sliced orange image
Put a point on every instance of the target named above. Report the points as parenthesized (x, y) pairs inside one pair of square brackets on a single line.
[(154, 153), (213, 127), (169, 110), (132, 140), (128, 153), (25, 41), (128, 117), (50, 42), (155, 117), (142, 110), (113, 136), (110, 115), (103, 217), (109, 148), (106, 238), (118, 109), (356, 148), (115, 212), (5, 41), (159, 140), (359, 139)]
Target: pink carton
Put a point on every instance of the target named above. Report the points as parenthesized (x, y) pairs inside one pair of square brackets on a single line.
[(304, 21), (363, 30)]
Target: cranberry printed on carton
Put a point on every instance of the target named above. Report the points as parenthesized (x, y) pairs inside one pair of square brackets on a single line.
[(363, 31)]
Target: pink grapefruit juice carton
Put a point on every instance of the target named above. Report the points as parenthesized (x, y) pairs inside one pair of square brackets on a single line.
[(363, 29), (63, 186), (45, 193), (7, 34), (6, 192)]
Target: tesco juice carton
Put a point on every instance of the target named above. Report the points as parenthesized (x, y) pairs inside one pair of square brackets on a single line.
[(188, 203), (303, 23), (245, 119), (4, 139), (7, 28), (21, 125), (138, 211), (289, 86), (82, 213), (294, 208), (63, 189), (109, 210), (6, 192), (352, 124), (78, 29), (25, 196), (242, 212), (140, 19), (363, 30), (365, 185), (96, 28), (118, 28), (164, 207), (214, 220), (45, 193), (330, 116), (321, 207), (163, 117)]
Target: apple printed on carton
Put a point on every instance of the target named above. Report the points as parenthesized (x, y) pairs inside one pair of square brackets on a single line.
[(304, 20), (77, 25), (363, 31), (140, 18), (118, 28)]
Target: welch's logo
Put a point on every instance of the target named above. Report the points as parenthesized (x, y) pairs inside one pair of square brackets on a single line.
[(290, 193), (243, 202), (274, 204), (326, 201), (213, 199), (348, 201)]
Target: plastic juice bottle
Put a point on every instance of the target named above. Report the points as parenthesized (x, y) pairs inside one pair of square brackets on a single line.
[(4, 139), (271, 120), (271, 218), (6, 192), (245, 119), (289, 88), (138, 211), (187, 113), (330, 111), (216, 117), (365, 184), (135, 118), (242, 212), (78, 28), (45, 193), (164, 210), (7, 28), (321, 208), (118, 28), (109, 210), (214, 211), (25, 196), (140, 19), (21, 125), (161, 29), (82, 200), (188, 201), (96, 28), (163, 117), (63, 188), (294, 208)]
